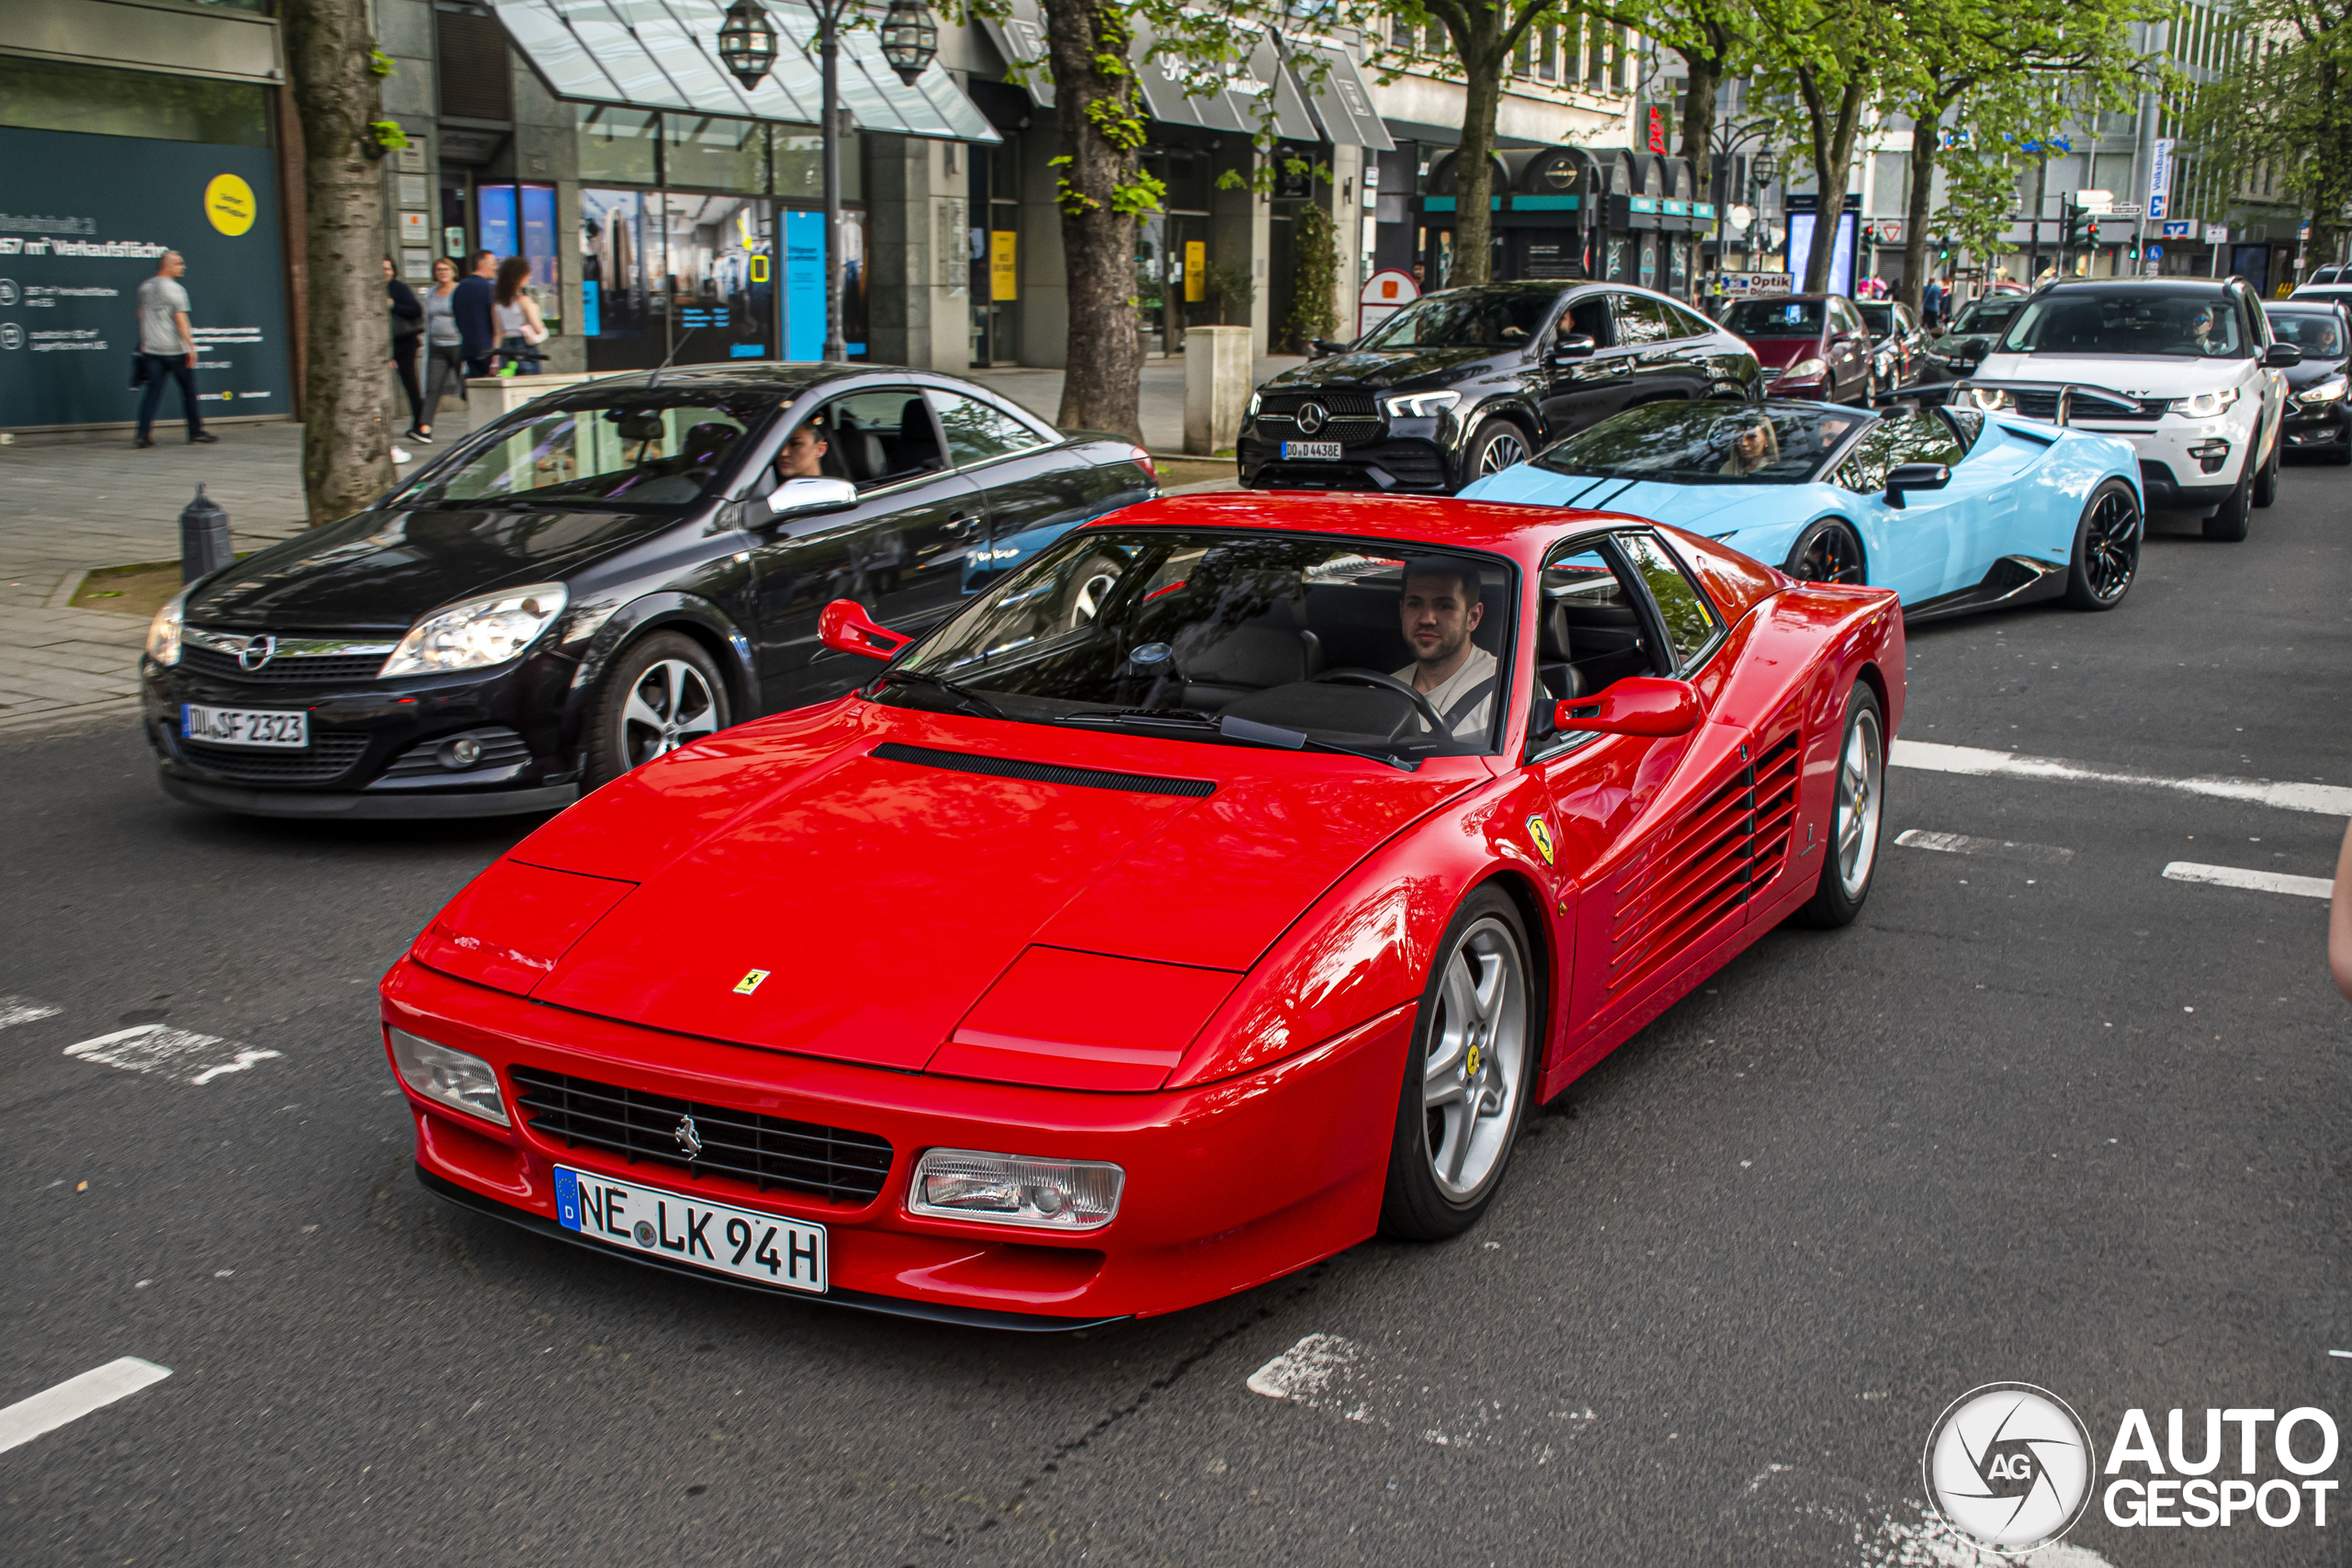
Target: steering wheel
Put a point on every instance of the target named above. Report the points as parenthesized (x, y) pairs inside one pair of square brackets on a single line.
[(1389, 682)]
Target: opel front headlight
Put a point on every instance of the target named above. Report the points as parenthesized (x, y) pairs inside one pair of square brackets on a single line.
[(164, 631), (1419, 405), (2205, 405), (477, 633), (2326, 391)]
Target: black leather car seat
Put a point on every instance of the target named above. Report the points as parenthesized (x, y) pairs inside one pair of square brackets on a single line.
[(1555, 653), (918, 440)]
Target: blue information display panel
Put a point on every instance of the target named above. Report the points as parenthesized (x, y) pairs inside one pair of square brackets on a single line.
[(83, 222)]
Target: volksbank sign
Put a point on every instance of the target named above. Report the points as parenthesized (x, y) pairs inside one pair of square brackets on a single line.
[(83, 220)]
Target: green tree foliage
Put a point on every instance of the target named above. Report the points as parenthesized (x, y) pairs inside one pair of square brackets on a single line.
[(2284, 106), (1315, 260)]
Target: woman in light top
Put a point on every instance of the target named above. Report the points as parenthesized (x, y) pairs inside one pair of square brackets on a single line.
[(516, 315)]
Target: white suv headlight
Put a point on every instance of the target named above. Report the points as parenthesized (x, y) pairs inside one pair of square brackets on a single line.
[(477, 633), (1009, 1190), (164, 631), (1419, 405), (2205, 405), (1988, 397), (2326, 391)]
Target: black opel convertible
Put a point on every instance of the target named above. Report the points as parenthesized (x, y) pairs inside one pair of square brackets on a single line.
[(609, 572), (1464, 383)]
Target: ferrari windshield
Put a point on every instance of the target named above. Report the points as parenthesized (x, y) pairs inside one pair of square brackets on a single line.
[(2173, 325), (1236, 636), (1695, 443), (632, 446), (1467, 318), (1777, 318)]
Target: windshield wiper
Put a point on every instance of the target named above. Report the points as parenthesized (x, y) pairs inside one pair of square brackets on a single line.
[(960, 691), (1299, 741), (1190, 718)]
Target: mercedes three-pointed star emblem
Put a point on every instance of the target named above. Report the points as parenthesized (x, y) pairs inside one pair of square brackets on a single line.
[(1312, 418)]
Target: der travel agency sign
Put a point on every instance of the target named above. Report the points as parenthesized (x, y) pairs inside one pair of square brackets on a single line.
[(83, 222)]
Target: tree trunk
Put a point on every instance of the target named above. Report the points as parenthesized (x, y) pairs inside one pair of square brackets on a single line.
[(1474, 169), (1699, 114), (1927, 137), (1102, 126), (348, 381), (1833, 156)]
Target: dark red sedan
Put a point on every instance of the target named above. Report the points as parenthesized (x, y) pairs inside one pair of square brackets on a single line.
[(1812, 346), (1219, 888)]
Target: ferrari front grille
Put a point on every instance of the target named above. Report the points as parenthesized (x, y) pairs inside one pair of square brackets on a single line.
[(765, 1151)]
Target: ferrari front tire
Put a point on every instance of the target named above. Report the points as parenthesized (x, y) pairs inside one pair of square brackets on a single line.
[(2106, 549), (1857, 808), (1472, 1066)]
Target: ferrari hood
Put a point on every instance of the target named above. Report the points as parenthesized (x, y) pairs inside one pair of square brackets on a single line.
[(858, 906), (2138, 376), (1699, 508)]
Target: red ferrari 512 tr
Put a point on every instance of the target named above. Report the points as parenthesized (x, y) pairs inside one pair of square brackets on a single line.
[(1216, 889)]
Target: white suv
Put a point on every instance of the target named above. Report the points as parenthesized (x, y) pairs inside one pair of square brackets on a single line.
[(2183, 369)]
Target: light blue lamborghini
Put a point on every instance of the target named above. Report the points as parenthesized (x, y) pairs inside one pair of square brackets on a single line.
[(1954, 509)]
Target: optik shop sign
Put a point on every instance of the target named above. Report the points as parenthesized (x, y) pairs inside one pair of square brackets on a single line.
[(83, 222)]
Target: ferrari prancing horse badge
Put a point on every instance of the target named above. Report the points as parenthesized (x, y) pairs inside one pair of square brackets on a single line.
[(749, 982), (1539, 832)]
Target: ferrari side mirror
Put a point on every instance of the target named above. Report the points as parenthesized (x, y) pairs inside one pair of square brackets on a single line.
[(1638, 705), (845, 627)]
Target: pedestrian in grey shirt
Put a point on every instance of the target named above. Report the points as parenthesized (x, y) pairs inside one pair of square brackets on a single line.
[(444, 346), (167, 348)]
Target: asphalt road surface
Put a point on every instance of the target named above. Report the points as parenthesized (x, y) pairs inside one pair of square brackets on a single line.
[(2043, 1114)]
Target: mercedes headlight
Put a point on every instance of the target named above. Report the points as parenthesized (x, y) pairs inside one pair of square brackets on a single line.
[(2327, 391), (1807, 370), (477, 633), (164, 631), (2205, 405), (1419, 405), (1255, 399)]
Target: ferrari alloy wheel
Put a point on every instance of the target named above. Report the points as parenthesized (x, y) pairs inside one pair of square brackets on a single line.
[(2106, 549), (662, 693), (1497, 446), (1857, 808), (1468, 1076), (1826, 552)]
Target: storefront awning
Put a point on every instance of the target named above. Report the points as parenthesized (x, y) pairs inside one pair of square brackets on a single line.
[(663, 55), (1020, 38), (1340, 101)]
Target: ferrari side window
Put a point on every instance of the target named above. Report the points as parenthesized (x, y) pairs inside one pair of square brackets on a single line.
[(1692, 627), (1589, 635)]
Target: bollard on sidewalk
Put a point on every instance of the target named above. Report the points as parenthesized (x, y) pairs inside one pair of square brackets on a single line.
[(204, 537)]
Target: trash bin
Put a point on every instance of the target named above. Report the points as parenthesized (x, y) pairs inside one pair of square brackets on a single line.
[(204, 537)]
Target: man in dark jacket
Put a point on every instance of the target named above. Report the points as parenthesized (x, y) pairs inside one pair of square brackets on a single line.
[(469, 302)]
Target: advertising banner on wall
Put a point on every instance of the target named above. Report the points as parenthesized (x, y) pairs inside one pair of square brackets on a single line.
[(83, 222)]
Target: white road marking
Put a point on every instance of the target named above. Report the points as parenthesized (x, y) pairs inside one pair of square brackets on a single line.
[(14, 1010), (2254, 881), (1962, 844), (155, 1048), (1324, 1371), (75, 1398), (2325, 800)]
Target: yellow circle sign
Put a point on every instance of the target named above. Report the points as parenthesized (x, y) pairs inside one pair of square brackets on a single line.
[(229, 202)]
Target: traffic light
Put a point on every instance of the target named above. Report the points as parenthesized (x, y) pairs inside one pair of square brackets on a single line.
[(2081, 228)]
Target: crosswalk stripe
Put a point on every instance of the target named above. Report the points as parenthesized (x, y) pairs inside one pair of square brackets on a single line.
[(1929, 756), (75, 1398), (2255, 881)]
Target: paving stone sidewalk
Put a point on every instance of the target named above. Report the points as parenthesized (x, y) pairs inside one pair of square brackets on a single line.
[(74, 503)]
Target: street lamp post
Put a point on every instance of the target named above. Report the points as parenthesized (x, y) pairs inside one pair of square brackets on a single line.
[(747, 45)]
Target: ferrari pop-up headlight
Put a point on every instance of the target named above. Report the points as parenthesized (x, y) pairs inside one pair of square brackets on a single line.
[(1011, 1189)]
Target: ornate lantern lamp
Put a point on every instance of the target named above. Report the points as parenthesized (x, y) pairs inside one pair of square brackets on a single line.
[(909, 39), (747, 41)]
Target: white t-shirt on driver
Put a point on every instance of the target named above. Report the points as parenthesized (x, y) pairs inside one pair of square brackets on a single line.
[(1479, 666)]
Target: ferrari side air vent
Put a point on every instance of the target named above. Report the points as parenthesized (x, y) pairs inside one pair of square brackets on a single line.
[(1041, 772), (1776, 805), (1694, 875)]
